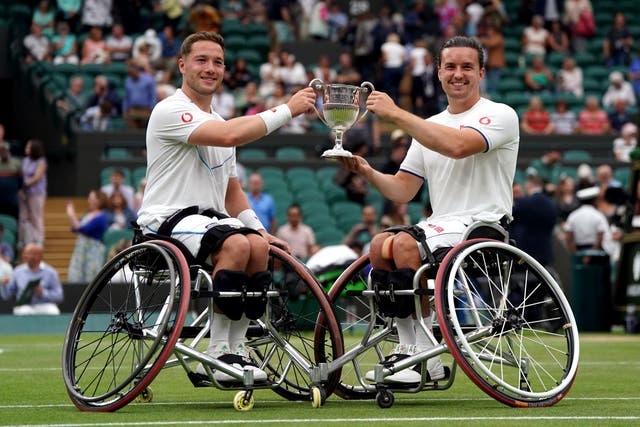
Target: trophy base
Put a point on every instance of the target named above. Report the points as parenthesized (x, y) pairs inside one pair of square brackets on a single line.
[(334, 153)]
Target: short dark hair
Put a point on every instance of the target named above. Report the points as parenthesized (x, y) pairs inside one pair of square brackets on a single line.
[(187, 44), (462, 41), (37, 149)]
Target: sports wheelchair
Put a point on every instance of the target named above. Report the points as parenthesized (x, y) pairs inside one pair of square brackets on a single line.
[(499, 314), (129, 322)]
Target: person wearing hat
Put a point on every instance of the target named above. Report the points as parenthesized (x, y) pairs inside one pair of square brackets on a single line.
[(619, 89), (586, 226), (626, 143)]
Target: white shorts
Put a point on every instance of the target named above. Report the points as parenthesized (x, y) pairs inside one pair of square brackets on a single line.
[(442, 233), (192, 228)]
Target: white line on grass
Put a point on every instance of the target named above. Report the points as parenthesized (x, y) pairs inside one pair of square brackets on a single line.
[(287, 402), (341, 420)]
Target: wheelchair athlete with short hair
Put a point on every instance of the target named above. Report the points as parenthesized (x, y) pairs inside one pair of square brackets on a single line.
[(467, 154), (191, 178)]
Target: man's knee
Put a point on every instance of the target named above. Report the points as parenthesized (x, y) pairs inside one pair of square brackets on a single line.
[(405, 247), (236, 246)]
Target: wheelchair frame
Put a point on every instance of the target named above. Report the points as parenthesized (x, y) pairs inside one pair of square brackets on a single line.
[(502, 316), (129, 321)]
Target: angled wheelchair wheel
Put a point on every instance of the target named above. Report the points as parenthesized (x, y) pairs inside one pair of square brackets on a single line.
[(125, 326), (356, 315), (507, 323), (284, 343)]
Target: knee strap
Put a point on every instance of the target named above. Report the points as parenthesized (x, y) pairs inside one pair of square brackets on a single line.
[(229, 280), (254, 307), (402, 279), (380, 282), (387, 248)]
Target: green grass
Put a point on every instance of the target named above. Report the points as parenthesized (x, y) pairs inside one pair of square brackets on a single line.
[(606, 392)]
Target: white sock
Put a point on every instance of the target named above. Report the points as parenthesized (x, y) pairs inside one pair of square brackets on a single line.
[(406, 330), (219, 329), (422, 340), (238, 331)]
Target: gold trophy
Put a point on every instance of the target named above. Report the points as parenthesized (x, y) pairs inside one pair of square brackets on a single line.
[(340, 106)]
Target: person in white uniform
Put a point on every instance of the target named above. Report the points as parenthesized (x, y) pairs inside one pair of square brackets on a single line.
[(193, 193), (467, 154)]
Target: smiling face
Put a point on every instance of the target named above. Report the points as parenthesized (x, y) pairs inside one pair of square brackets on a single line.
[(460, 74), (202, 69)]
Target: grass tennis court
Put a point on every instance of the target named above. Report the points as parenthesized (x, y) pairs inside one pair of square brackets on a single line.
[(606, 392)]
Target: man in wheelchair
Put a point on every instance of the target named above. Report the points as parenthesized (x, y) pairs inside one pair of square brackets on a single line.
[(467, 154), (193, 195)]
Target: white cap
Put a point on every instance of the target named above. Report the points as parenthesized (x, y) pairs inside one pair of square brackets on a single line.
[(588, 193), (616, 76), (629, 129), (584, 171), (397, 134)]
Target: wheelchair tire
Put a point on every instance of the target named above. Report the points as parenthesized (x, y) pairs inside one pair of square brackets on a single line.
[(355, 314), (507, 323), (290, 320), (125, 326)]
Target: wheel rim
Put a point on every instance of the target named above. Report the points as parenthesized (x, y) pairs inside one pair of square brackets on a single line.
[(125, 326), (509, 325)]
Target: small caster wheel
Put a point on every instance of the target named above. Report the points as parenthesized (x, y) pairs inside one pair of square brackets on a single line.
[(146, 395), (243, 401), (318, 397), (385, 399)]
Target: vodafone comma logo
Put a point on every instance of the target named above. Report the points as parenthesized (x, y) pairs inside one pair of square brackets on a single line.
[(484, 120), (186, 117)]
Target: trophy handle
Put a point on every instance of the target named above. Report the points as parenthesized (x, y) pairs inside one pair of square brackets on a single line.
[(318, 87), (365, 90)]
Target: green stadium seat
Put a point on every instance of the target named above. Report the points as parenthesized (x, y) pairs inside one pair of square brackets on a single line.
[(329, 236), (300, 173), (273, 171), (260, 43), (290, 153), (113, 237), (415, 211), (507, 85), (577, 156), (247, 154), (346, 208), (312, 208), (235, 42), (326, 173), (10, 223), (623, 175), (252, 56)]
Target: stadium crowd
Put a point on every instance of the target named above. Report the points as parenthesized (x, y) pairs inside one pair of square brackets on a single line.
[(543, 57)]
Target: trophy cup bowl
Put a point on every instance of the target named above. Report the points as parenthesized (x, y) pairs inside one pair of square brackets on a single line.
[(340, 106)]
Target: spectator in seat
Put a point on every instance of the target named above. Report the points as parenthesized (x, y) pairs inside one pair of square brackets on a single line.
[(536, 120), (94, 48), (564, 121), (64, 45), (619, 116), (538, 77), (88, 254), (300, 236), (493, 40), (262, 203), (364, 231), (593, 120), (117, 183), (44, 15), (558, 40), (618, 89), (37, 45), (625, 143), (224, 103), (34, 284), (534, 37), (578, 18), (103, 90), (74, 98), (616, 48), (569, 78), (139, 96), (148, 44), (586, 226), (120, 216), (119, 44)]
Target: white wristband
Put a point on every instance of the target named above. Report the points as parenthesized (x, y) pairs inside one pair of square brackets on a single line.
[(250, 219), (275, 117)]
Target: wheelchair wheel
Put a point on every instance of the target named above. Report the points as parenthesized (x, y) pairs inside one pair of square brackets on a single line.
[(355, 315), (507, 323), (290, 322), (125, 326)]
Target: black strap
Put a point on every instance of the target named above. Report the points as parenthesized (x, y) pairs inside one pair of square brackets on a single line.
[(168, 225), (418, 234)]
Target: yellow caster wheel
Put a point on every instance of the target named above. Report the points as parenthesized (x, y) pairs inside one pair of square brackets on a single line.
[(146, 395), (317, 397), (243, 401)]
